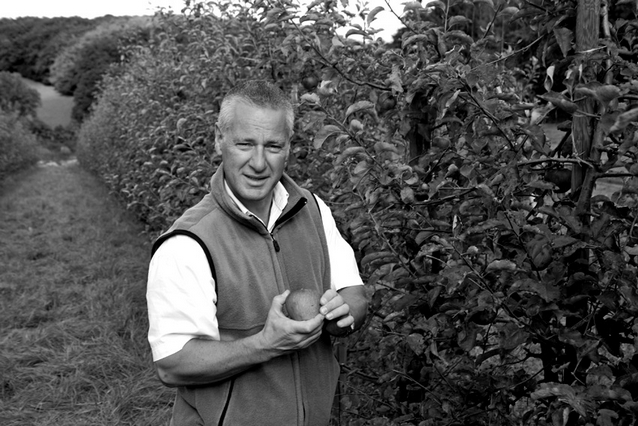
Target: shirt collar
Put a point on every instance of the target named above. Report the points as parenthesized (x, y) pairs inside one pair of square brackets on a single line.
[(279, 203)]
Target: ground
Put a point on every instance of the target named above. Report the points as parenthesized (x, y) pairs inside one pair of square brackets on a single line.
[(73, 347)]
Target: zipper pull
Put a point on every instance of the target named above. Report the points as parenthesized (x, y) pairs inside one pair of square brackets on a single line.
[(275, 243)]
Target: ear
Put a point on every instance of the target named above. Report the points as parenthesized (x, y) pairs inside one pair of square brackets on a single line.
[(218, 140)]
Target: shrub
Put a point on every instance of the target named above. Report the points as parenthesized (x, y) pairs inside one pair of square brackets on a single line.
[(499, 294), (78, 69), (29, 45), (16, 96), (18, 147)]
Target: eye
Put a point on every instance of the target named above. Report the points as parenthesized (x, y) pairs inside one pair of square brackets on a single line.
[(275, 148)]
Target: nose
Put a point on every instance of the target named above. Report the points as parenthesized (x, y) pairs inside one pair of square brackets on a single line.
[(258, 158)]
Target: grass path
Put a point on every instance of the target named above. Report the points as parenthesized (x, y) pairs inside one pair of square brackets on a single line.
[(73, 347), (54, 109)]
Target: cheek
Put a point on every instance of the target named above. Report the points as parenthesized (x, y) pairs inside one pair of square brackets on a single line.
[(279, 162)]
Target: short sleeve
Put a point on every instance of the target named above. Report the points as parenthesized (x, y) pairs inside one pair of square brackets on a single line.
[(343, 264), (180, 296)]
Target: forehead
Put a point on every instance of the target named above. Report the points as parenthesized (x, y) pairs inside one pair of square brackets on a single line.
[(256, 122)]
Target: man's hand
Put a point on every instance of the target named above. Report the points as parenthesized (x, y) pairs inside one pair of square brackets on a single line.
[(344, 310), (208, 361), (282, 334)]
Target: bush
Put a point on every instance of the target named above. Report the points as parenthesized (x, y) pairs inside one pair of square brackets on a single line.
[(500, 294), (18, 146), (29, 45), (16, 96), (78, 70), (57, 139)]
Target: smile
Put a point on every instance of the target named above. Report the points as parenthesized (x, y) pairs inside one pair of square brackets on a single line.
[(256, 179)]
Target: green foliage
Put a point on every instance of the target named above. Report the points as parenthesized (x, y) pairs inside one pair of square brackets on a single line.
[(78, 69), (18, 146), (16, 96), (501, 292), (29, 45)]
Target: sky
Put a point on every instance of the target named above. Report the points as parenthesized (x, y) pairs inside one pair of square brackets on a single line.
[(95, 8)]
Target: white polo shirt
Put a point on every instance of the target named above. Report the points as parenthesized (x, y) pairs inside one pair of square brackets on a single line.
[(181, 290)]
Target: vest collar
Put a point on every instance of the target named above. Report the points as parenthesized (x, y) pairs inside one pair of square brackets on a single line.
[(288, 195)]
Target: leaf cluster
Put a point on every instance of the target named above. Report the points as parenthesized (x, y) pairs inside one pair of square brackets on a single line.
[(500, 263)]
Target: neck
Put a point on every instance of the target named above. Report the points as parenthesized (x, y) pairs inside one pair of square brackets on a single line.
[(262, 211)]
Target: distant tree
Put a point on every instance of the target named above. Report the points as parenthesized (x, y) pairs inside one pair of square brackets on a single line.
[(29, 45), (16, 96), (78, 69)]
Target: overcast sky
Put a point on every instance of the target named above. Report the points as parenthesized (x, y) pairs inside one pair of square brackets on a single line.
[(96, 8)]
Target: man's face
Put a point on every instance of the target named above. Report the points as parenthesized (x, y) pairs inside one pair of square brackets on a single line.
[(254, 152)]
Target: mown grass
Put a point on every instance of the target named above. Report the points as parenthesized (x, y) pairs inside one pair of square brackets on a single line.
[(54, 109), (73, 325)]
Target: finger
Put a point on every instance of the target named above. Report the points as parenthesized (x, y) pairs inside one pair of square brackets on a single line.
[(346, 322), (307, 327), (280, 299), (332, 304), (327, 296), (338, 312), (335, 309), (278, 302)]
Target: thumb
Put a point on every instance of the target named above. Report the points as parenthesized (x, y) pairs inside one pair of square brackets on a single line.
[(279, 300)]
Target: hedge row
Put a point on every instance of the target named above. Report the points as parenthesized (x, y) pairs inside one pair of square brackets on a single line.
[(499, 294)]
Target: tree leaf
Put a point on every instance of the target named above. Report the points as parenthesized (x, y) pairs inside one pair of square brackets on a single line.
[(457, 20), (355, 31), (624, 119), (373, 13), (407, 195), (413, 39), (549, 78), (416, 342), (412, 5), (563, 241), (607, 93), (381, 147), (560, 101), (547, 291), (501, 265), (466, 338), (511, 336), (347, 153), (311, 98), (571, 337), (564, 38), (358, 106), (396, 84), (511, 10), (180, 123), (324, 133), (488, 2)]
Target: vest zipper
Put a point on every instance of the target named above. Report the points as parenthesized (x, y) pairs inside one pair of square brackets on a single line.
[(284, 218), (275, 243), (293, 211), (230, 392)]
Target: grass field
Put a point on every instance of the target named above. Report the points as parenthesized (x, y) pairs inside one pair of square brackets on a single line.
[(55, 109), (73, 325)]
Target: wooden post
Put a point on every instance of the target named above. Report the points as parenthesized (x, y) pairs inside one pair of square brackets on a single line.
[(587, 34)]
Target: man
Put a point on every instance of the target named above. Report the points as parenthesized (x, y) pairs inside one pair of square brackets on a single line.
[(219, 278)]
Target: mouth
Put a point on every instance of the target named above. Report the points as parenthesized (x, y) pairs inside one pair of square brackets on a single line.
[(256, 179)]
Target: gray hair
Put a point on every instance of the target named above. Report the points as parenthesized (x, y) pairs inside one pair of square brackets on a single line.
[(260, 93)]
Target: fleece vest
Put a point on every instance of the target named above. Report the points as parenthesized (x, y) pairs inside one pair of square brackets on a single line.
[(251, 266)]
